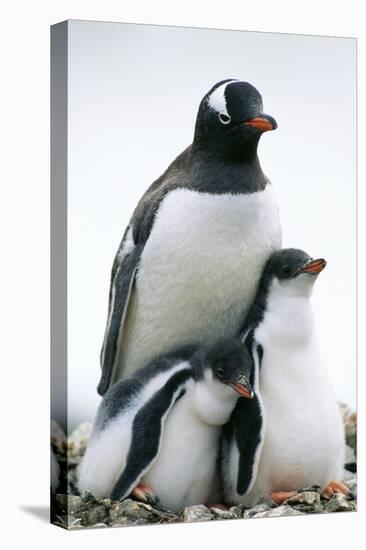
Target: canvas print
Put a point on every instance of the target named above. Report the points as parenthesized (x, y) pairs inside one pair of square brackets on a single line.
[(203, 275)]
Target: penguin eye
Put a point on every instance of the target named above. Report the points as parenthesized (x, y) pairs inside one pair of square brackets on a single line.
[(286, 270), (220, 372), (225, 119)]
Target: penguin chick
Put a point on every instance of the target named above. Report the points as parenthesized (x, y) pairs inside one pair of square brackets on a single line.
[(161, 427), (292, 436), (191, 257)]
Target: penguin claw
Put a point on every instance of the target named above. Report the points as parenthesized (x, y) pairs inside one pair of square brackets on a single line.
[(280, 496), (152, 499), (335, 487), (144, 493)]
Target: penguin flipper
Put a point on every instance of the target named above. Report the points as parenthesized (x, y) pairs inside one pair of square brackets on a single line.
[(247, 426), (249, 437), (244, 434), (147, 432), (122, 283)]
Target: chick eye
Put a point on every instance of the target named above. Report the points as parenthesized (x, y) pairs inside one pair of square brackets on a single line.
[(225, 119), (220, 372), (286, 270)]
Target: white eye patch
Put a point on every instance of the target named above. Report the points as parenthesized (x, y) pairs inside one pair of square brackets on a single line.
[(217, 102)]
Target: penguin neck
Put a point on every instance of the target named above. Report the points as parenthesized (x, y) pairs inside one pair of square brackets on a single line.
[(219, 172), (237, 152), (289, 317), (289, 304), (213, 402)]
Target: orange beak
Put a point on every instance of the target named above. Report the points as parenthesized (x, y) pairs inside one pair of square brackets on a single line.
[(262, 124), (242, 390), (314, 266)]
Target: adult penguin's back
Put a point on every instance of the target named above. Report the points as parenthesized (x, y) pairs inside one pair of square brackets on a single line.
[(189, 263)]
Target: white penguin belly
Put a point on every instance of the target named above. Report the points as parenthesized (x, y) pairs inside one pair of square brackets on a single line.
[(304, 439), (199, 271), (105, 456), (186, 472)]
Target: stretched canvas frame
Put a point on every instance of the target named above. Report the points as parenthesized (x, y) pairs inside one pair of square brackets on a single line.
[(65, 203)]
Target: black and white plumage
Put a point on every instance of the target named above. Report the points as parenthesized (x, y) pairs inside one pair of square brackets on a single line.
[(189, 263), (295, 438), (162, 426), (242, 444)]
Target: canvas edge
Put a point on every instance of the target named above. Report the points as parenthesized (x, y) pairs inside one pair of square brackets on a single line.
[(58, 115)]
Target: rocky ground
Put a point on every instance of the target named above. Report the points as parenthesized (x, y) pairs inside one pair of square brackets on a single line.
[(70, 511)]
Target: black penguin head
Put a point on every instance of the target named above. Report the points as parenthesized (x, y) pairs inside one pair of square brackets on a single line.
[(230, 119), (292, 271), (231, 365)]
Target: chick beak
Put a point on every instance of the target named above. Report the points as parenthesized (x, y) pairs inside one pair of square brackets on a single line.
[(314, 266), (264, 123), (243, 390)]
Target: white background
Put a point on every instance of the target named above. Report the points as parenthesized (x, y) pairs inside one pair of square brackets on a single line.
[(25, 272), (133, 97)]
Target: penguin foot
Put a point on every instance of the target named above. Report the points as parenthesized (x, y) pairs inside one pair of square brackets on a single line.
[(144, 493), (335, 487), (280, 496), (219, 506)]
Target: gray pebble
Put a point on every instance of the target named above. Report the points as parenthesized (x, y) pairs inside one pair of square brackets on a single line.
[(225, 514), (340, 503), (131, 510), (259, 509), (62, 502), (310, 498), (197, 513), (96, 514), (283, 510), (267, 500), (89, 497), (240, 509), (75, 504)]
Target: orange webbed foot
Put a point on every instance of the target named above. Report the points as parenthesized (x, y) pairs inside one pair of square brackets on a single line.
[(335, 487), (144, 493), (280, 497)]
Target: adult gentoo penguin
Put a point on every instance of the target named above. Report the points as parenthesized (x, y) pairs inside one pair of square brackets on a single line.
[(189, 262), (295, 436), (158, 431)]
